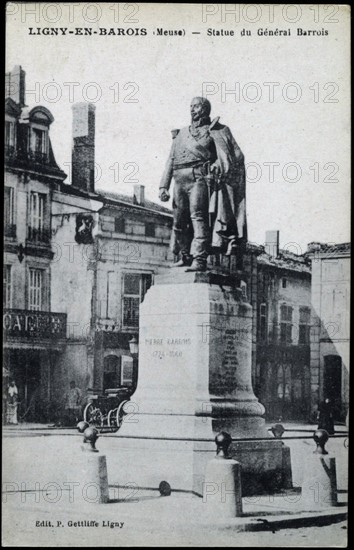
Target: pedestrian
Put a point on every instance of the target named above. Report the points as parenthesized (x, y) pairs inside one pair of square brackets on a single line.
[(325, 416), (73, 400), (12, 403)]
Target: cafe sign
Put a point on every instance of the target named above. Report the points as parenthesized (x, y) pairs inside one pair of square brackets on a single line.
[(34, 324)]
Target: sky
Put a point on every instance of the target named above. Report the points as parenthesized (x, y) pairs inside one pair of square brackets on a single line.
[(285, 98)]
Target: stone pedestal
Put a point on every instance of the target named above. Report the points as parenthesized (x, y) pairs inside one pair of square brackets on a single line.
[(195, 345), (222, 493), (319, 486)]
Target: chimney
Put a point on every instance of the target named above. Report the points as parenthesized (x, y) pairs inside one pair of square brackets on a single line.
[(83, 150), (272, 243), (15, 85), (139, 194)]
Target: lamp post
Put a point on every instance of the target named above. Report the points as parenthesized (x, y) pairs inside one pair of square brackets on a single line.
[(134, 352)]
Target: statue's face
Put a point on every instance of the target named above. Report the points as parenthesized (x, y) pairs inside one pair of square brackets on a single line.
[(197, 109)]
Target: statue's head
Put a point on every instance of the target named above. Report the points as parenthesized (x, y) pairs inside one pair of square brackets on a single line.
[(200, 107)]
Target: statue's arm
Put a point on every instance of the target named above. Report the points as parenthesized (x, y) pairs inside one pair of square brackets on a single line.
[(167, 174)]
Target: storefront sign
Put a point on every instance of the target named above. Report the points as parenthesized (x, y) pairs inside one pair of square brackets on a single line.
[(34, 324)]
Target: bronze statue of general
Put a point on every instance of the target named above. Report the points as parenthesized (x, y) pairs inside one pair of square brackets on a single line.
[(209, 206)]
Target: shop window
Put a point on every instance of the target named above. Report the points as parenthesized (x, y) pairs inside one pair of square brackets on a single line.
[(284, 383), (127, 370), (111, 372)]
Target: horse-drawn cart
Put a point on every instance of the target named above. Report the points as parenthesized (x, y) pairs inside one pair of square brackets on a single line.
[(107, 410)]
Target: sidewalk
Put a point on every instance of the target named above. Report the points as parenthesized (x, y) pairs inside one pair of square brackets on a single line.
[(136, 514), (40, 492)]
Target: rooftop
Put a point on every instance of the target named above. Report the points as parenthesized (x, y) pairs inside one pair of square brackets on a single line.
[(328, 248), (285, 259), (118, 198)]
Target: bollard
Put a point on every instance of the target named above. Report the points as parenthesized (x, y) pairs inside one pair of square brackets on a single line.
[(91, 436), (81, 426), (277, 430), (93, 469), (222, 491), (319, 486), (165, 489)]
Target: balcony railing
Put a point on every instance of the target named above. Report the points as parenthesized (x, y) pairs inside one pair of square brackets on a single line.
[(37, 157), (10, 231), (10, 152), (22, 323), (38, 235)]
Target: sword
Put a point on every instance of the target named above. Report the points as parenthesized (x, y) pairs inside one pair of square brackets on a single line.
[(209, 177)]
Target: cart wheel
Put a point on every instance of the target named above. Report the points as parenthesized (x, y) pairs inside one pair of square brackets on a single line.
[(93, 415), (112, 418), (121, 413), (88, 411)]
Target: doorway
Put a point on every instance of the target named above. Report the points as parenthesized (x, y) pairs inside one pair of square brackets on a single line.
[(332, 382)]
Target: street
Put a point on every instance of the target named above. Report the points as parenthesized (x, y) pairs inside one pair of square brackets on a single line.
[(50, 502)]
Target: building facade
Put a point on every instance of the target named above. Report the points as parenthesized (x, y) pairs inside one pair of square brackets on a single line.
[(331, 325), (279, 289), (87, 255), (34, 333)]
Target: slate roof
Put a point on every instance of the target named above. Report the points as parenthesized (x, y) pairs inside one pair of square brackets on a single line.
[(126, 199), (287, 261)]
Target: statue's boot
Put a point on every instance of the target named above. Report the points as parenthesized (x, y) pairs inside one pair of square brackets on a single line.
[(197, 265), (185, 260)]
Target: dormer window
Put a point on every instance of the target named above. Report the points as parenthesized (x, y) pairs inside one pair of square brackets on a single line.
[(10, 140), (39, 120), (9, 133), (39, 144)]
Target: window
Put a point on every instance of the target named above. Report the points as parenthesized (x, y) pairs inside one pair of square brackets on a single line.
[(9, 134), (263, 322), (283, 282), (284, 383), (39, 144), (119, 225), (9, 212), (127, 370), (135, 286), (35, 289), (111, 305), (286, 317), (39, 141), (304, 325), (36, 225), (149, 229), (7, 289)]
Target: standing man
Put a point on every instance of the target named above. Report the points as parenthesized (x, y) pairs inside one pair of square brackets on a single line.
[(209, 205), (12, 403), (73, 404)]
